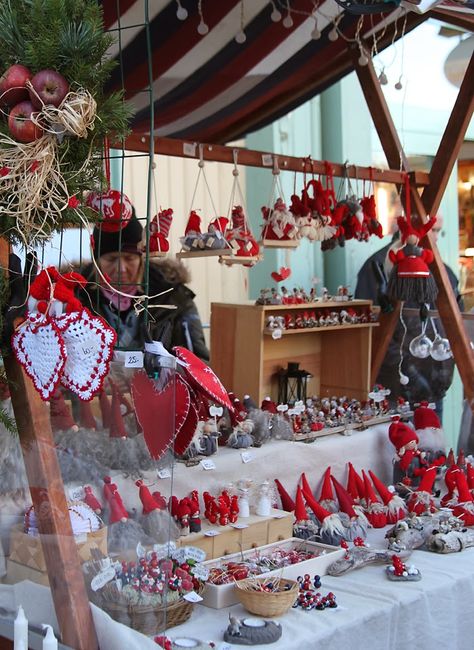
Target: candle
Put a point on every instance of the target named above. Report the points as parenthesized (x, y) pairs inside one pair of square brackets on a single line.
[(49, 641), (20, 631)]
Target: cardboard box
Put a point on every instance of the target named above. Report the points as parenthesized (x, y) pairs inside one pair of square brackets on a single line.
[(26, 549), (219, 596)]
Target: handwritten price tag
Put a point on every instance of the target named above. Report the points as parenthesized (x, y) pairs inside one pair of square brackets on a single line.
[(102, 578), (211, 533), (134, 359), (201, 572), (88, 348), (76, 493), (193, 597), (194, 553), (247, 456), (164, 550), (277, 334), (208, 464), (164, 473), (239, 526)]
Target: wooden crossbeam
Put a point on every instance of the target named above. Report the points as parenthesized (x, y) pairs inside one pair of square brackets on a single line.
[(47, 493), (456, 18), (441, 170)]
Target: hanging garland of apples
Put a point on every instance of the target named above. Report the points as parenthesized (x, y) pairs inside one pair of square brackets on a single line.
[(54, 113)]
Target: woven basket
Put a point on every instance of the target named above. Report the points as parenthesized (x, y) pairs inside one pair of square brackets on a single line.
[(265, 603), (150, 620)]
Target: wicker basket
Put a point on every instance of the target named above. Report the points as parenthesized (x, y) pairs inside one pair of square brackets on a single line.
[(265, 603), (150, 620)]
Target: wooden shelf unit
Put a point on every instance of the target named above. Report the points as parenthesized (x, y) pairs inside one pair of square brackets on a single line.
[(247, 359)]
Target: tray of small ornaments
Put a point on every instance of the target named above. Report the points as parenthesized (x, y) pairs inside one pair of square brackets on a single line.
[(287, 559), (151, 594)]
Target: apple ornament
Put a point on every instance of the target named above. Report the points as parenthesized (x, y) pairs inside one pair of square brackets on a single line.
[(20, 124), (13, 84), (48, 88)]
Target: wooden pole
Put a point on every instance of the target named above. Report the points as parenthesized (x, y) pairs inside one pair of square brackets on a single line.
[(439, 176), (47, 492)]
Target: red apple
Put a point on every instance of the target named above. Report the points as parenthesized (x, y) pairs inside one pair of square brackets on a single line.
[(50, 87), (13, 84), (20, 125)]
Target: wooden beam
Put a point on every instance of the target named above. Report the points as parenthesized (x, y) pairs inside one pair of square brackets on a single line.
[(47, 492), (381, 337), (251, 158), (456, 18), (442, 168)]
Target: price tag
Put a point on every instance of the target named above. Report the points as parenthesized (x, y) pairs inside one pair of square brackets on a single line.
[(87, 348), (102, 578), (200, 572), (140, 550), (207, 464), (189, 148), (118, 584), (76, 493), (224, 646), (134, 359), (211, 533), (277, 334), (247, 456), (239, 526), (267, 160), (164, 550), (215, 411), (180, 555), (164, 473), (194, 553), (193, 597), (280, 515)]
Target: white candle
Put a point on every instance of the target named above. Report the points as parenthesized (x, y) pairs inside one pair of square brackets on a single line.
[(20, 631), (49, 641)]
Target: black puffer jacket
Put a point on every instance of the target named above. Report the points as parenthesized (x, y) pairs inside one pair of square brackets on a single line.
[(181, 326)]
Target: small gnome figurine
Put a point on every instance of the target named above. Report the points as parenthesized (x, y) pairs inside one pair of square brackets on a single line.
[(91, 500), (195, 516), (429, 430), (159, 232), (184, 515), (375, 511), (215, 238), (193, 239), (241, 436), (240, 237), (207, 441), (411, 279), (279, 223), (410, 460), (303, 527), (421, 501)]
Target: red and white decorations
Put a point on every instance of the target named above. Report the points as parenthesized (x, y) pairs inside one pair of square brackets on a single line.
[(159, 233), (279, 225), (429, 429), (245, 249), (421, 501), (314, 213), (60, 341), (202, 377), (113, 206)]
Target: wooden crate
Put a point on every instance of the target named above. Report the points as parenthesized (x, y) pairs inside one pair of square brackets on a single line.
[(259, 532), (246, 359)]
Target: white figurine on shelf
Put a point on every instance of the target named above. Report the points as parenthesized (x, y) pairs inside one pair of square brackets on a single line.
[(264, 503)]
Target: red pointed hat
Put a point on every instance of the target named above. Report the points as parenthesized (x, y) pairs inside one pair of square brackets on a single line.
[(148, 502), (427, 481), (464, 493), (117, 510), (401, 434), (407, 228), (425, 417), (91, 500), (346, 503), (381, 488), (60, 413), (287, 502), (320, 512), (370, 495), (470, 476), (305, 485), (117, 426), (220, 224), (355, 485), (194, 223), (202, 378), (326, 488), (269, 405), (86, 417), (450, 477), (300, 510)]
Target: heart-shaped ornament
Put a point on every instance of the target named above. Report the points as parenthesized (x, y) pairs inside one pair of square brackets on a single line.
[(187, 431), (39, 348), (89, 342), (281, 275), (203, 378), (159, 412)]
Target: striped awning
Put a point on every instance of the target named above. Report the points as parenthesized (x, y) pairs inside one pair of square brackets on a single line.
[(211, 88)]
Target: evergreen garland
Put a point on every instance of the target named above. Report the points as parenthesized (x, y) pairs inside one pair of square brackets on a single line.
[(67, 36)]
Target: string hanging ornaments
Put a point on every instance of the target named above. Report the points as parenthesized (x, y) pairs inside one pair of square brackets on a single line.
[(279, 229)]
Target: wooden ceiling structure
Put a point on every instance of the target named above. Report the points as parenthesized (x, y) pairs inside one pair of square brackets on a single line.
[(31, 413)]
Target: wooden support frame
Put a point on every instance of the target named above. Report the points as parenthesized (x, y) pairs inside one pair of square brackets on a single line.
[(427, 204), (47, 493)]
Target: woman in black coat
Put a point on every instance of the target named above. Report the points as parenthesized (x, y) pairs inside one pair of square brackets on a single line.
[(120, 260)]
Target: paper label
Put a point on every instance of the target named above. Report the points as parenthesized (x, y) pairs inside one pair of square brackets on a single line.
[(193, 597), (164, 473), (140, 550), (102, 578), (277, 334), (164, 550), (239, 526), (247, 456), (200, 572), (280, 515), (211, 533), (194, 553), (267, 160), (118, 584), (208, 464), (189, 148), (179, 555), (80, 539), (88, 348), (76, 493), (215, 411), (134, 359)]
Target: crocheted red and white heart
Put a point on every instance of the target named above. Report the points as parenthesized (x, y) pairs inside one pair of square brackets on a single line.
[(39, 348), (89, 342), (160, 413), (203, 378)]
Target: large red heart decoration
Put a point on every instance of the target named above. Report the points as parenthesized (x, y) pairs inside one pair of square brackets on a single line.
[(187, 431), (155, 409), (283, 274), (202, 378)]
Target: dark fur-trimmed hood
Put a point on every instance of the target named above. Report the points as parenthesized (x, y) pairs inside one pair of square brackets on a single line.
[(173, 270)]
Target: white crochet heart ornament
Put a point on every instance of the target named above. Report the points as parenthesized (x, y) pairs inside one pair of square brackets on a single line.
[(89, 343), (39, 348)]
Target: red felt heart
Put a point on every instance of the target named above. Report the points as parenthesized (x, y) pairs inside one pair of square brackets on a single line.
[(203, 379), (282, 274), (154, 410), (187, 431)]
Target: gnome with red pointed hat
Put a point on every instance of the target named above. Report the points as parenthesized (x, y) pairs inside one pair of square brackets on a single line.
[(375, 511), (304, 527), (215, 238), (450, 498), (396, 508), (287, 502), (326, 497), (429, 429), (355, 524), (421, 501), (464, 509), (410, 460), (331, 528), (193, 239)]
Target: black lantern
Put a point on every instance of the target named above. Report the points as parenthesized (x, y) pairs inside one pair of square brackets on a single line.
[(292, 383)]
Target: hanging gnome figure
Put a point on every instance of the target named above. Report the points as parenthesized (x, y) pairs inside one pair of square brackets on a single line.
[(215, 238), (193, 240), (240, 236), (304, 527), (421, 501), (279, 223), (429, 430), (411, 279), (159, 232), (241, 436)]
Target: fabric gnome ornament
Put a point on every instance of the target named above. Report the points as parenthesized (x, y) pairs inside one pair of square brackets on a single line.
[(287, 502), (410, 460), (375, 510), (355, 525), (123, 533), (331, 529), (215, 238), (159, 232), (304, 527), (91, 500), (326, 497), (429, 430), (240, 236), (193, 240), (411, 279), (421, 501), (279, 223), (450, 497), (396, 508), (464, 509), (241, 436)]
